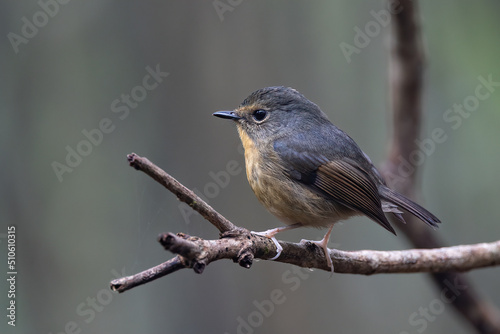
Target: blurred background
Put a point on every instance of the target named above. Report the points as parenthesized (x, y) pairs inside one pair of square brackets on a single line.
[(84, 83)]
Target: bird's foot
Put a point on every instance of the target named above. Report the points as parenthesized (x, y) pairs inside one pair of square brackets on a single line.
[(272, 232), (323, 244)]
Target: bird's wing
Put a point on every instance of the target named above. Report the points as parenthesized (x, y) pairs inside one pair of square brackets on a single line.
[(338, 178)]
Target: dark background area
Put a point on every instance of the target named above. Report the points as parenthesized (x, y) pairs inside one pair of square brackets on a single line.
[(76, 232)]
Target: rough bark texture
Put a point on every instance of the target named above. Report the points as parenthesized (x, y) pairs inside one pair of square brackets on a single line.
[(241, 246)]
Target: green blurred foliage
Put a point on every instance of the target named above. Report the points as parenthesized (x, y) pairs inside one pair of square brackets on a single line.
[(103, 217)]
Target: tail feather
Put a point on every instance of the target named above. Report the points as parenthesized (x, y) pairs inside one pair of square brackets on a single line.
[(396, 198)]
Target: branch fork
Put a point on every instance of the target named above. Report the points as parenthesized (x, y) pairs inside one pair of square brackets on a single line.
[(242, 246)]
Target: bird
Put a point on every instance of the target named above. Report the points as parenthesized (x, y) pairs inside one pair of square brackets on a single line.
[(308, 172)]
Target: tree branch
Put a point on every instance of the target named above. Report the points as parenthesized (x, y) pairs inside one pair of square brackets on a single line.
[(128, 282), (406, 78), (243, 247), (183, 194)]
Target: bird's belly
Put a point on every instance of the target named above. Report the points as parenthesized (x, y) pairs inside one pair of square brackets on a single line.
[(293, 202)]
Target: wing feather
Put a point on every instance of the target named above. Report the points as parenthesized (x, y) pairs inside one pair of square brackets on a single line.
[(348, 185)]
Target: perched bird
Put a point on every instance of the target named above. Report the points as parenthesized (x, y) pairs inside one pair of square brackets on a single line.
[(308, 172)]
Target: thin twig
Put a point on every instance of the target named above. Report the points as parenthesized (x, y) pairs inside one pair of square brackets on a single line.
[(183, 194), (128, 282)]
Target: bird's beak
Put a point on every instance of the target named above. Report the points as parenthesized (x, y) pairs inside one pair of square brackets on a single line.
[(227, 114)]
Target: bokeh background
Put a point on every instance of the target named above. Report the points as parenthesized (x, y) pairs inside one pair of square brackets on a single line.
[(78, 231)]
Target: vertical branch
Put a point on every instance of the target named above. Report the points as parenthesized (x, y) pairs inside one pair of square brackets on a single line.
[(406, 77)]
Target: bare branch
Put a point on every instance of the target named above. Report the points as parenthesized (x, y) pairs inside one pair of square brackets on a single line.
[(128, 282), (183, 194), (243, 247), (406, 77)]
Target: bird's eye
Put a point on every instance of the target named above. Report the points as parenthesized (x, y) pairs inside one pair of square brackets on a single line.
[(259, 115)]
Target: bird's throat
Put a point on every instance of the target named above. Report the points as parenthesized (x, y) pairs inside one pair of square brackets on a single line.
[(252, 157)]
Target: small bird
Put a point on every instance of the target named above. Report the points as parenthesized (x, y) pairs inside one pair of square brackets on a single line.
[(308, 172)]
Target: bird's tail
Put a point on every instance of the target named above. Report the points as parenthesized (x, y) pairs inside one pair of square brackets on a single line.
[(405, 203)]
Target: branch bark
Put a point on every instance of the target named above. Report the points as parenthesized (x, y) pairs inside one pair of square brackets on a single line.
[(406, 78), (241, 246), (183, 194)]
